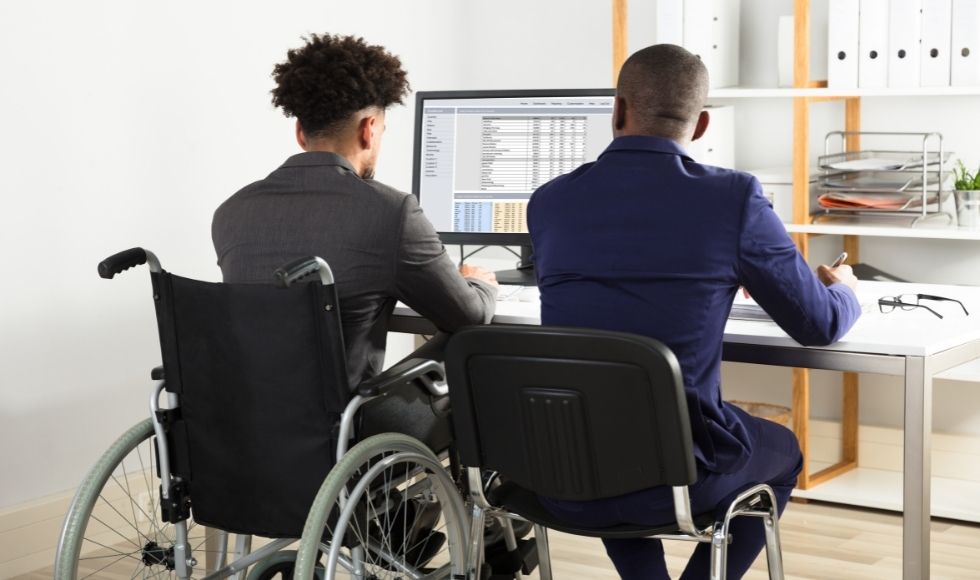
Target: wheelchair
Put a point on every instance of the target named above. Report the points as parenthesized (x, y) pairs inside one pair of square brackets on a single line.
[(250, 412)]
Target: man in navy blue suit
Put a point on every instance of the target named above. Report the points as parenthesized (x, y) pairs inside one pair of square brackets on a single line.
[(646, 240)]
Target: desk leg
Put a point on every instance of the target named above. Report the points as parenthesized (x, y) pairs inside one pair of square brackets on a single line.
[(917, 471)]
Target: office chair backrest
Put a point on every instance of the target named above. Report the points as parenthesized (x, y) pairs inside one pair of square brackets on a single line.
[(262, 379), (570, 413)]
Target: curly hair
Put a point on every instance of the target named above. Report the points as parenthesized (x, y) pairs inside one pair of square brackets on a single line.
[(332, 77)]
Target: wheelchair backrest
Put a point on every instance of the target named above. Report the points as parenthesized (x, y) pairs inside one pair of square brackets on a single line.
[(570, 413), (261, 376)]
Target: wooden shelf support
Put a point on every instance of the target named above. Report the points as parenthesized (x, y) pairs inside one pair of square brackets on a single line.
[(619, 37)]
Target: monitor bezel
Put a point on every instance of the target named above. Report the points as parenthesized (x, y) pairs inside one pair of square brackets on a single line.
[(483, 238)]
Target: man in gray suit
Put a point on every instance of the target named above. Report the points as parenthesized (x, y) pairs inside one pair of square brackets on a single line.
[(325, 202)]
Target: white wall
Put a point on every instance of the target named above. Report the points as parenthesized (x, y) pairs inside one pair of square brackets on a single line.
[(544, 44), (127, 123)]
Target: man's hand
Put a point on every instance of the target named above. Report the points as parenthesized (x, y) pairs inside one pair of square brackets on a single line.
[(478, 273), (842, 274)]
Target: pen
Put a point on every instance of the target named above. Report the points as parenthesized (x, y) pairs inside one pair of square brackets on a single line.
[(840, 260)]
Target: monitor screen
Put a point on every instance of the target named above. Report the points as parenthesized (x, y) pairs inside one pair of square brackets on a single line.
[(480, 155)]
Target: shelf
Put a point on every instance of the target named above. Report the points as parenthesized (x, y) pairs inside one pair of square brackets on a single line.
[(880, 489), (937, 233), (969, 373), (779, 93)]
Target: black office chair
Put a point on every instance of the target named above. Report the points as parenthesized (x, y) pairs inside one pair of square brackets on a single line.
[(256, 412), (581, 414)]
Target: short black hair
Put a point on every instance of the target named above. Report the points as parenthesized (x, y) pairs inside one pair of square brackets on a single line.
[(332, 77), (665, 88)]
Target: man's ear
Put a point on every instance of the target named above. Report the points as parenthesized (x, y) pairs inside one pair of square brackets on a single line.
[(300, 136), (619, 114), (702, 125), (365, 131)]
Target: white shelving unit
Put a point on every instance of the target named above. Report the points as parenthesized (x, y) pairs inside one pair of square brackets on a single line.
[(922, 231), (881, 489), (968, 373), (780, 93)]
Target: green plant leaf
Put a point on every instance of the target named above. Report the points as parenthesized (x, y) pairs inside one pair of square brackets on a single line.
[(965, 181)]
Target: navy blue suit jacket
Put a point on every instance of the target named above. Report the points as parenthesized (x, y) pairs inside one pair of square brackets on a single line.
[(645, 240)]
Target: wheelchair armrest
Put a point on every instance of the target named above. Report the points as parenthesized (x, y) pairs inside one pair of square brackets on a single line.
[(157, 374), (428, 372)]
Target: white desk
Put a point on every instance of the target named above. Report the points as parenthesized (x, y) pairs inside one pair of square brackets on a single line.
[(912, 344)]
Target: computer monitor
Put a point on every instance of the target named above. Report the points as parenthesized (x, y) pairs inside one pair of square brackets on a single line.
[(480, 154)]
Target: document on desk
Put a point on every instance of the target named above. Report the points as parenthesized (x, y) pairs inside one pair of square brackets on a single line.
[(747, 309), (509, 293)]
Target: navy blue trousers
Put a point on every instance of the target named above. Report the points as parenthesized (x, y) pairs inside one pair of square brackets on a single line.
[(775, 459)]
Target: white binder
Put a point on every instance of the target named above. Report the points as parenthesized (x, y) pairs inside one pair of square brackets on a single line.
[(785, 51), (965, 67), (904, 33), (669, 23), (707, 28), (698, 33), (724, 36), (717, 145), (842, 44), (934, 56), (873, 44)]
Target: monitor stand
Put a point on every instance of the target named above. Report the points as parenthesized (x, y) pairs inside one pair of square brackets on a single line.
[(523, 275)]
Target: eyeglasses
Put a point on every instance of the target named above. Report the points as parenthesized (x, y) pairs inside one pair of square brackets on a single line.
[(905, 301)]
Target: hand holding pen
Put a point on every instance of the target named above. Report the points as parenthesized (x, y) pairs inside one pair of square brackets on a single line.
[(837, 273)]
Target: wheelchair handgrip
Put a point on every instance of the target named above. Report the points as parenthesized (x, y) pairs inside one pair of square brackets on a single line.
[(299, 269), (122, 261)]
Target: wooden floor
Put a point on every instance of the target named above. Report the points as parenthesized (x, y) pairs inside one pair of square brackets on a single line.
[(819, 541)]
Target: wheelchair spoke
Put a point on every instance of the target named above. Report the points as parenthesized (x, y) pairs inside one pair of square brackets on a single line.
[(149, 487), (132, 523), (154, 506), (115, 554), (119, 559), (114, 530), (141, 572), (204, 539), (129, 493), (393, 523)]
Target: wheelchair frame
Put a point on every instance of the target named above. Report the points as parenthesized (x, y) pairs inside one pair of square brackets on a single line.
[(154, 430)]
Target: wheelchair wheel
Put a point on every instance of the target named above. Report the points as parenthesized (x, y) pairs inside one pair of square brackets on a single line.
[(113, 526), (388, 509)]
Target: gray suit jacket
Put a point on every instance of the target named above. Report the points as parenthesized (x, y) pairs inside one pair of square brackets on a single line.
[(378, 243)]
